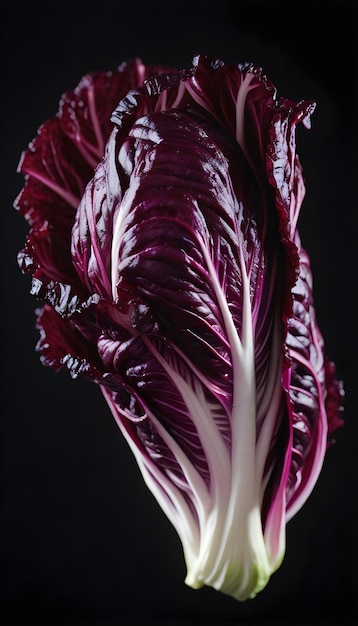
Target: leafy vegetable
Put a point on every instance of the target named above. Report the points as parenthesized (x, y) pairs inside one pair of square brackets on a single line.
[(163, 208)]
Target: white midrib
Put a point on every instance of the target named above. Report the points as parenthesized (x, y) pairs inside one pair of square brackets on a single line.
[(241, 531), (118, 233)]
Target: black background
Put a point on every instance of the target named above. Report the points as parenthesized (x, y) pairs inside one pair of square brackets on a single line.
[(82, 540)]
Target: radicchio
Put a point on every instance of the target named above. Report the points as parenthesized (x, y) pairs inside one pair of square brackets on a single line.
[(163, 209)]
